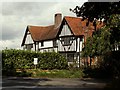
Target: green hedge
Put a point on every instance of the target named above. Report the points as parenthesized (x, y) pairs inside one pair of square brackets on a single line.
[(20, 59)]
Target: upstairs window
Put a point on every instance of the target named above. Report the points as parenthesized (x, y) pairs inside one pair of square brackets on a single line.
[(66, 40)]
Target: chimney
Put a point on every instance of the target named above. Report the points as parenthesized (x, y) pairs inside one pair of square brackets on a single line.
[(58, 19)]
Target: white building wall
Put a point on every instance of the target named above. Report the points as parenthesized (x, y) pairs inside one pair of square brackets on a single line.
[(72, 47), (60, 47), (81, 42), (33, 49), (47, 47), (46, 44), (65, 31), (28, 43), (78, 44), (67, 48), (29, 39)]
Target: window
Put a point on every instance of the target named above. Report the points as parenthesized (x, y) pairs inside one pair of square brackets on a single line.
[(66, 40), (29, 46), (42, 44), (55, 43), (70, 57)]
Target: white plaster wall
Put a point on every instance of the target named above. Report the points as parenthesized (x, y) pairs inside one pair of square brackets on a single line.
[(48, 47), (46, 44), (28, 39), (60, 47), (81, 42), (33, 49), (65, 31), (73, 46), (78, 44)]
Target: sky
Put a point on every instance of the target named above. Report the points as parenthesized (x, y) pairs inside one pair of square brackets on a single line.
[(15, 16)]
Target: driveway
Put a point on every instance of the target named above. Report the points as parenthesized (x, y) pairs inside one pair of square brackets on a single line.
[(28, 83)]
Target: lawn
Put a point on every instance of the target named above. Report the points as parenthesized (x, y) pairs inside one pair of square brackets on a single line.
[(51, 73)]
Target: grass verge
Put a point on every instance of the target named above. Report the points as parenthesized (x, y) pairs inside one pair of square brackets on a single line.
[(52, 73)]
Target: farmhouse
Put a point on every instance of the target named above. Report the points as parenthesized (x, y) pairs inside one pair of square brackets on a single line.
[(67, 36)]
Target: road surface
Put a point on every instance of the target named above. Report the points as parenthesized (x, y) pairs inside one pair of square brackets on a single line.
[(28, 83)]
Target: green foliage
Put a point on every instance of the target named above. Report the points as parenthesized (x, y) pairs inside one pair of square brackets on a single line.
[(111, 63), (96, 73), (103, 45), (98, 10), (114, 24), (109, 67), (52, 61), (57, 73), (114, 21), (20, 59), (99, 44), (105, 39)]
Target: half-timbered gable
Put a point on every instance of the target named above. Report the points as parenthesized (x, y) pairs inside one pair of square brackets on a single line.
[(28, 41), (70, 42), (66, 41)]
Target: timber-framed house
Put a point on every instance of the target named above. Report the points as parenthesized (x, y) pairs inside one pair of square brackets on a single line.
[(66, 36)]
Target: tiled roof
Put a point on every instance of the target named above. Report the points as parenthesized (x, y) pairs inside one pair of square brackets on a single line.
[(40, 33), (79, 27)]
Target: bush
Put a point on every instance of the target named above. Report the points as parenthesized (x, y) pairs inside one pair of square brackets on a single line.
[(52, 60), (19, 59), (109, 67), (111, 63)]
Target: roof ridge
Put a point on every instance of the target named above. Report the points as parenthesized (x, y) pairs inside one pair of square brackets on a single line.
[(72, 17), (39, 26)]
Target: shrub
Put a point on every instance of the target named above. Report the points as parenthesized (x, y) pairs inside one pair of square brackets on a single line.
[(19, 59)]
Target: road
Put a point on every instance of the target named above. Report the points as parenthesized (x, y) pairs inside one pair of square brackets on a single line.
[(28, 83)]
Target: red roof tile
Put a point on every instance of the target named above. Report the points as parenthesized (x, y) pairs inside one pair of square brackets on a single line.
[(40, 33), (79, 27)]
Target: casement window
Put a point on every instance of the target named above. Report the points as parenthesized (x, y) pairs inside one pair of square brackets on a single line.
[(55, 43), (29, 46), (42, 44), (66, 40), (70, 57)]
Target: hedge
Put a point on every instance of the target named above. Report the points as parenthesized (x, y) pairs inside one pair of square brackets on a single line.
[(20, 59)]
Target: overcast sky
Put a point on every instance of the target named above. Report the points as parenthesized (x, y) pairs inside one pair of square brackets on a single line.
[(15, 16)]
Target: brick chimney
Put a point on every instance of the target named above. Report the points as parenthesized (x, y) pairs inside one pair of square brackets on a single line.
[(58, 19)]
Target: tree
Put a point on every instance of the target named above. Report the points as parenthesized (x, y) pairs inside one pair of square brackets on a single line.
[(105, 41), (114, 24), (109, 11), (98, 44), (97, 10)]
